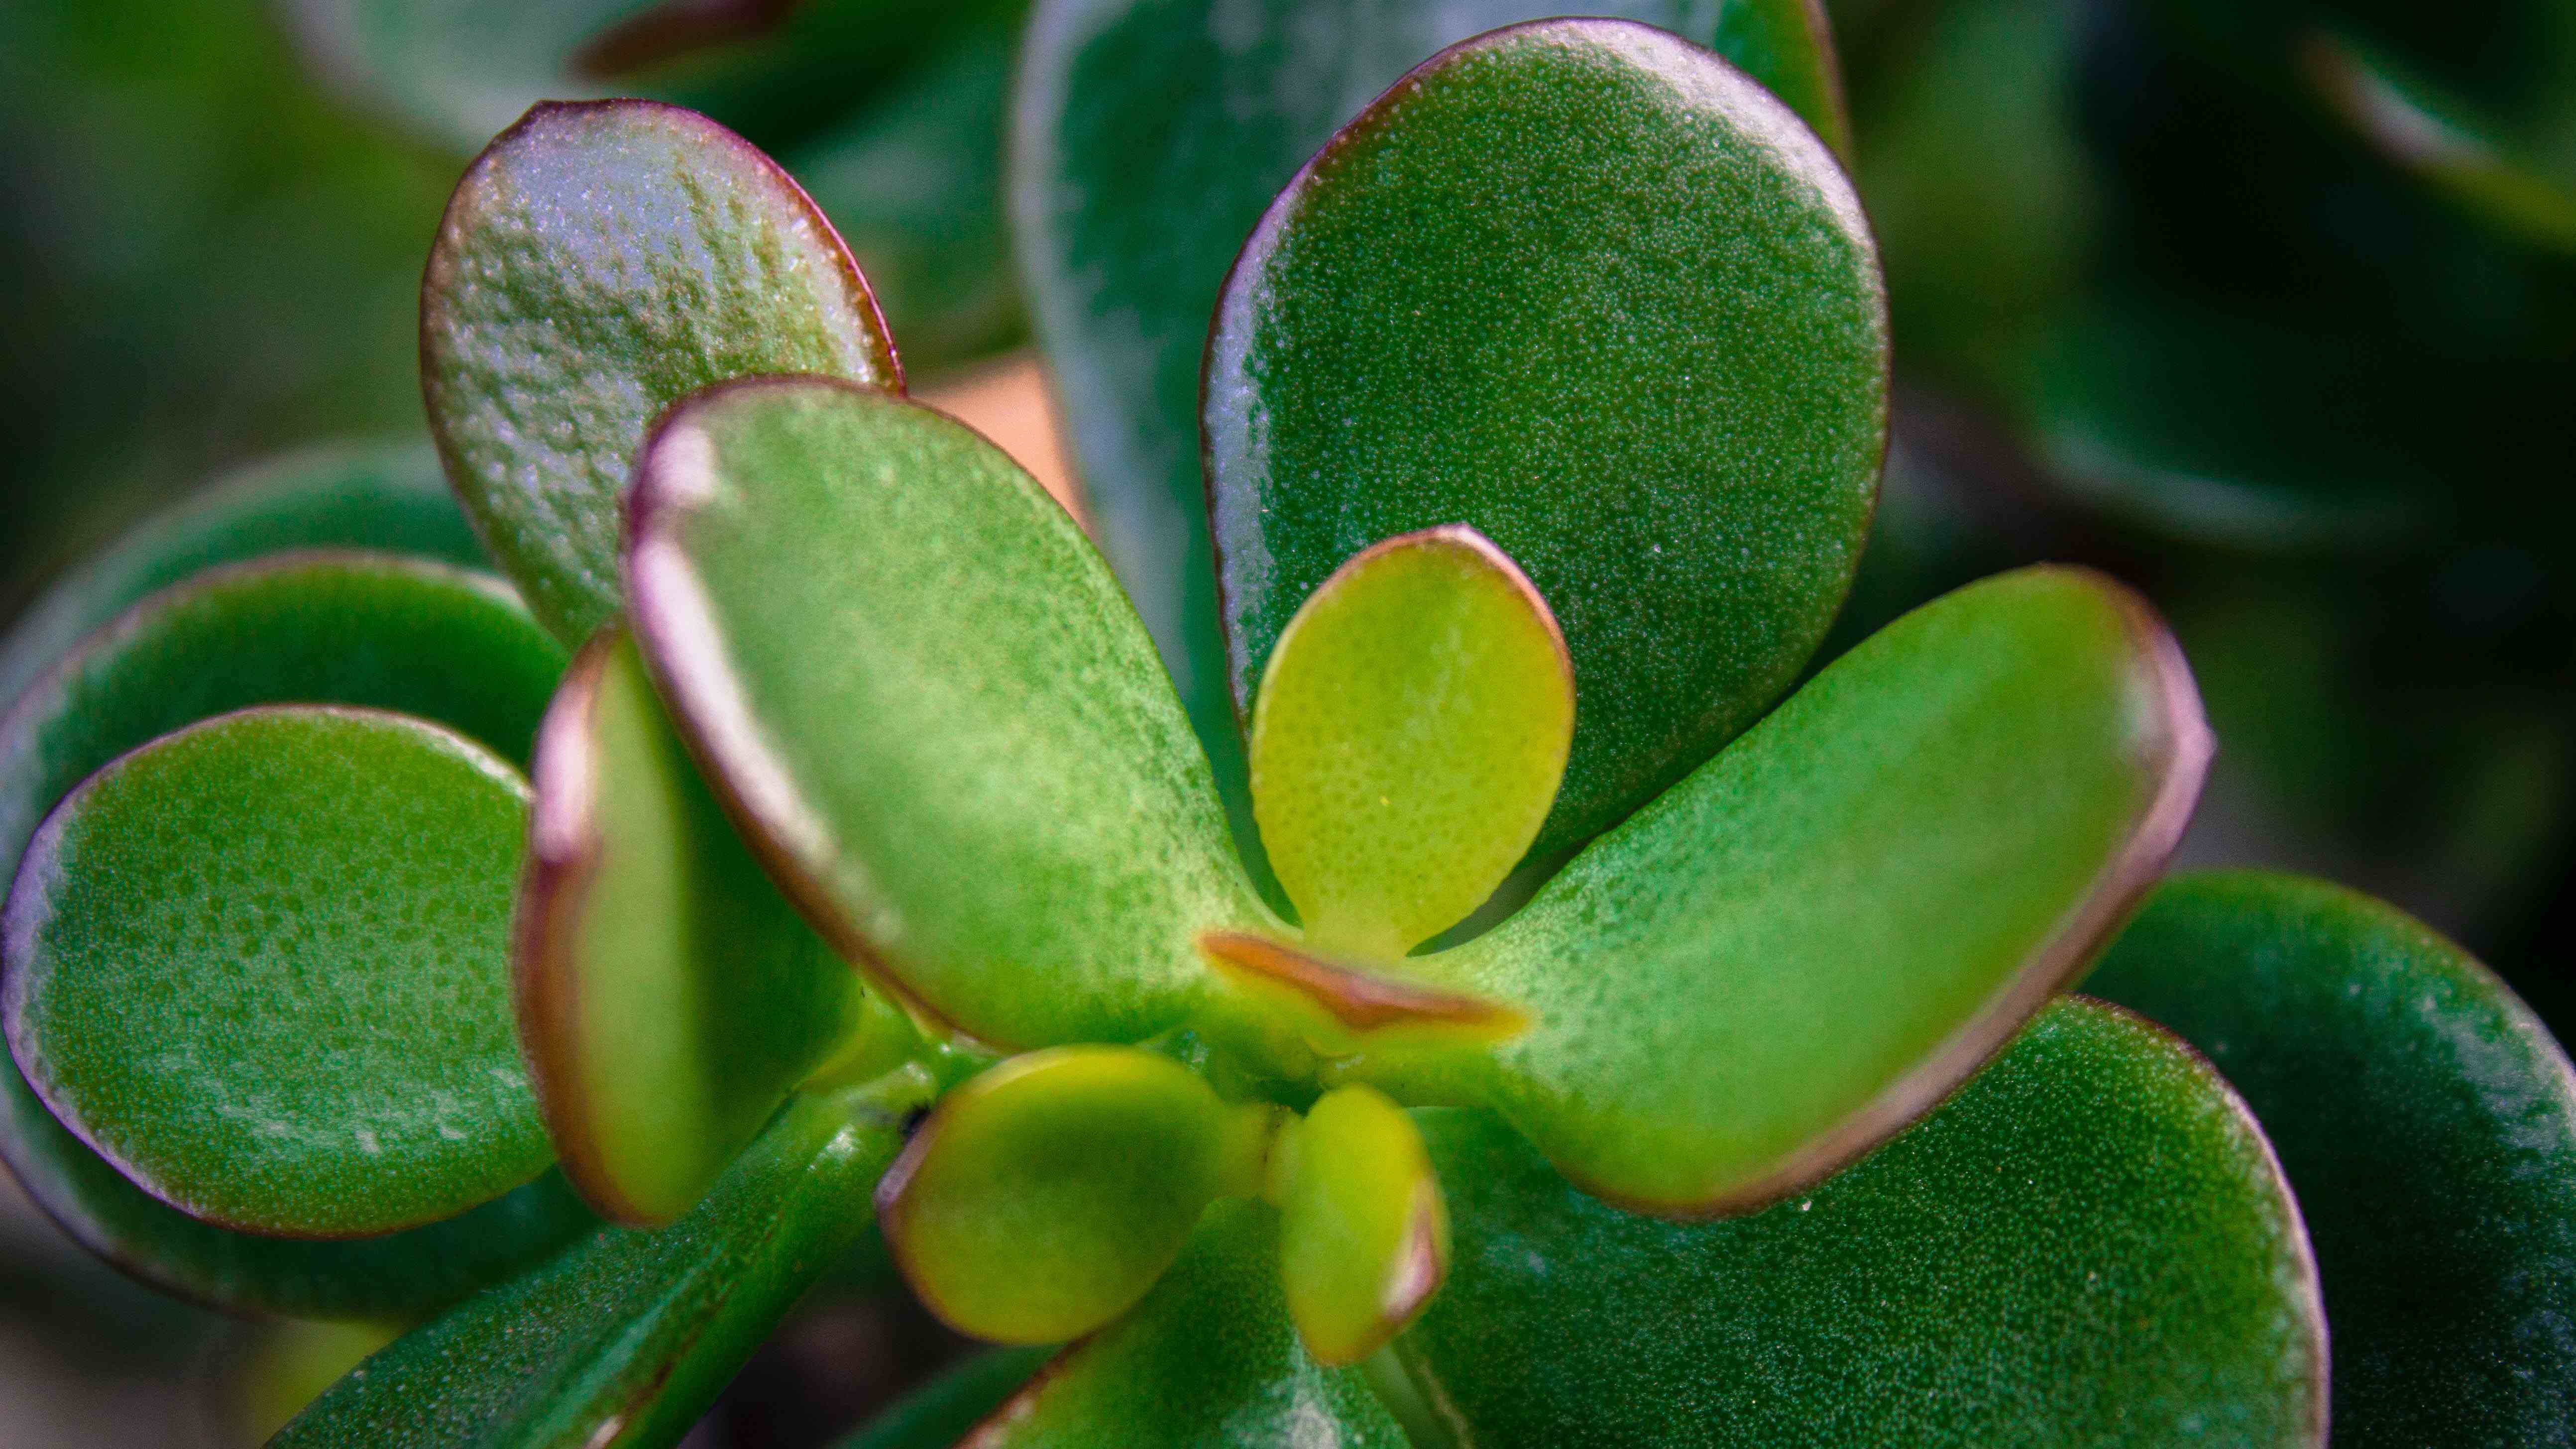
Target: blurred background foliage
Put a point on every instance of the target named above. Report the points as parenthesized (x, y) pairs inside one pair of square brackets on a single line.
[(2267, 306)]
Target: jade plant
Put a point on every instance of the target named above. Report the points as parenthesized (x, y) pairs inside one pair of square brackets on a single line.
[(1584, 1032)]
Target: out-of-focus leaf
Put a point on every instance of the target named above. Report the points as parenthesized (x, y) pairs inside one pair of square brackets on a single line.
[(1363, 1236), (669, 998), (261, 966), (943, 1411), (932, 710), (2428, 1123), (1824, 930), (597, 262), (623, 1342), (1583, 286), (2089, 1245)]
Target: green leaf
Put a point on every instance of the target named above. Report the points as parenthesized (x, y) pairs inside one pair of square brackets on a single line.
[(669, 998), (597, 262), (1586, 288), (1044, 1197), (1825, 929), (1363, 1235), (1149, 137), (932, 710), (2089, 1245), (1207, 1358), (1408, 740), (336, 495), (942, 1412), (454, 72), (261, 966), (2428, 1123), (624, 1341)]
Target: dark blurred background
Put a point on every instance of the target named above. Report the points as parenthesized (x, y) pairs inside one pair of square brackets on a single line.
[(2268, 307)]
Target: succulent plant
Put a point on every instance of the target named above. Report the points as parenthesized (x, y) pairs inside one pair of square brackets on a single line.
[(1578, 1035)]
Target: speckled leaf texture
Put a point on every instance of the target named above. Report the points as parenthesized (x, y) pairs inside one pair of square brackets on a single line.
[(2428, 1123), (2090, 1245), (1594, 292), (1824, 930), (623, 1342), (1149, 136), (304, 911), (598, 261), (932, 709)]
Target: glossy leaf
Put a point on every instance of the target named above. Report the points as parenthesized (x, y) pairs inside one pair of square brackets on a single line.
[(2428, 1123), (668, 997), (1363, 1234), (598, 261), (1820, 933), (261, 966), (1046, 1196), (384, 495), (938, 1414), (1408, 740), (1207, 1358), (1149, 137), (931, 709), (1585, 287), (623, 1342), (2089, 1245)]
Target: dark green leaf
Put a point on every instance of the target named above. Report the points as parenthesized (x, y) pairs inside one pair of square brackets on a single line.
[(2427, 1121), (1208, 1358), (597, 262), (931, 707), (1836, 920), (941, 1412), (623, 1342), (1586, 288), (262, 966), (339, 495), (2090, 1245)]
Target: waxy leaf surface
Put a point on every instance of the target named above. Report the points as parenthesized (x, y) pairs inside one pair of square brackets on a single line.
[(1815, 937), (1207, 1358), (624, 1341), (669, 998), (932, 709), (596, 263), (2426, 1120), (1149, 136), (1587, 288), (302, 914), (1363, 1236), (1408, 740), (340, 495), (2089, 1245)]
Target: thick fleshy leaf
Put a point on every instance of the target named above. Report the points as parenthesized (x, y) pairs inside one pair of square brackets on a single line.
[(598, 261), (943, 1411), (669, 998), (1821, 932), (383, 495), (2427, 1122), (1044, 1197), (1363, 1234), (261, 966), (932, 709), (1408, 739), (2090, 1245), (1207, 1358), (1149, 137), (1589, 289), (624, 1341)]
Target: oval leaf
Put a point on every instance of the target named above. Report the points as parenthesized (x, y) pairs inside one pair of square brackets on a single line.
[(928, 704), (1363, 1234), (2090, 1245), (261, 966), (2427, 1121), (1044, 1197), (1825, 929), (598, 261), (1591, 290), (1408, 739), (668, 997)]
